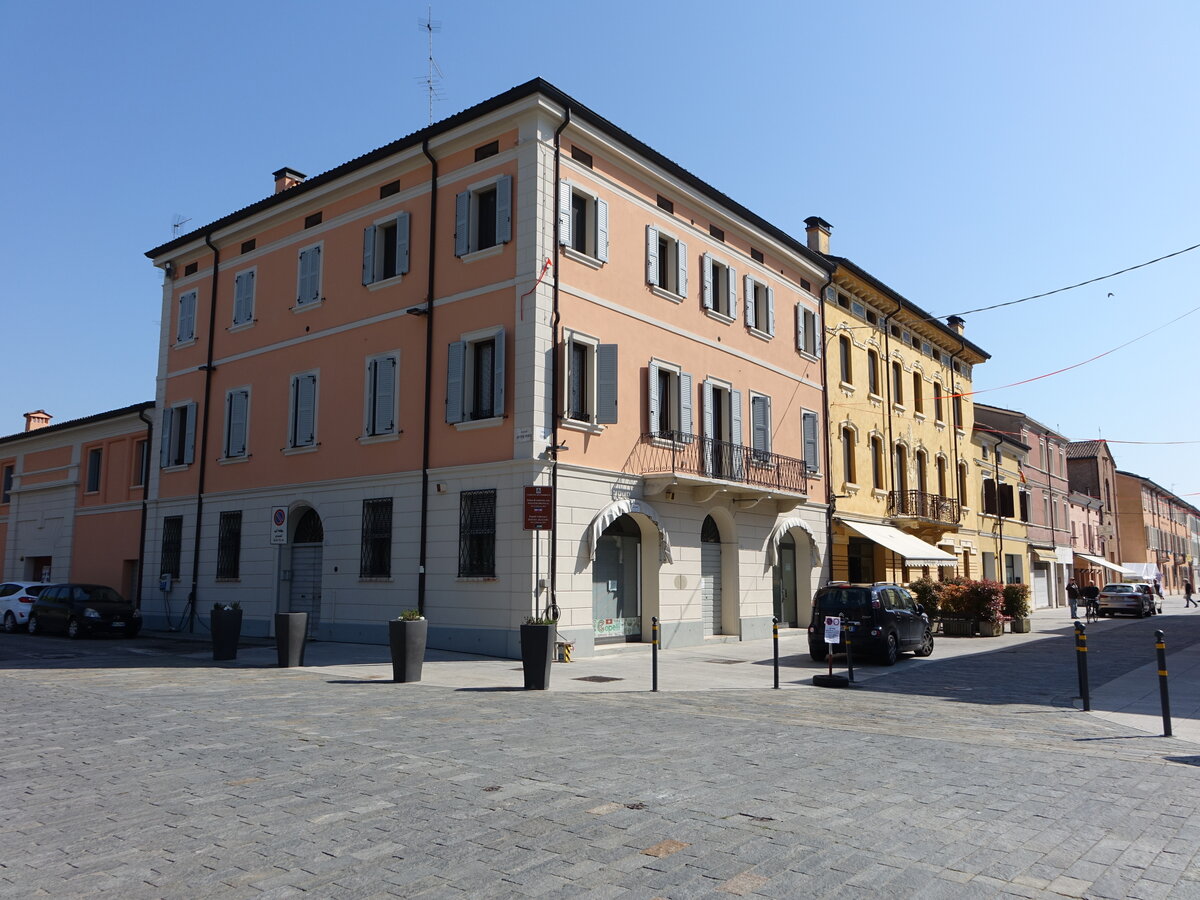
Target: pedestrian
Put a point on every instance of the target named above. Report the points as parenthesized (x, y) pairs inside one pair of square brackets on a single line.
[(1073, 598), (1187, 595), (1158, 587), (1091, 594)]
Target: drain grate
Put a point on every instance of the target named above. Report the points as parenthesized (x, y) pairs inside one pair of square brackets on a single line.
[(598, 678), (725, 662)]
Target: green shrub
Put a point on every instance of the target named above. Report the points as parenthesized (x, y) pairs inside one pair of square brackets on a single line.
[(410, 615), (1016, 601)]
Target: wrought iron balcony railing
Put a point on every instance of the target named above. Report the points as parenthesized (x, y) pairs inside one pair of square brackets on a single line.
[(924, 506), (688, 454)]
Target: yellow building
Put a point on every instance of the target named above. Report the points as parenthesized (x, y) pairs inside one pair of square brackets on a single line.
[(900, 423), (994, 524)]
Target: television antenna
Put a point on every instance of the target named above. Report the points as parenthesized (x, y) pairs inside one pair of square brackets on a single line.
[(177, 223), (433, 78)]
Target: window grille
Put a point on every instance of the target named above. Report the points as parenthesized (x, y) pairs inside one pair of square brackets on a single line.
[(477, 534), (171, 546), (376, 554), (229, 545)]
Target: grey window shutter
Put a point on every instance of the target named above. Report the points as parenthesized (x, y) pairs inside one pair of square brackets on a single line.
[(771, 311), (402, 242), (681, 258), (504, 210), (368, 255), (306, 411), (810, 326), (652, 397), (706, 290), (189, 435), (601, 231), (235, 443), (564, 212), (498, 383), (606, 384), (735, 417), (811, 444), (384, 412), (706, 414), (455, 361), (685, 406), (748, 294), (164, 447), (731, 287), (800, 345), (310, 275), (758, 423), (462, 225), (240, 284), (651, 255), (187, 317)]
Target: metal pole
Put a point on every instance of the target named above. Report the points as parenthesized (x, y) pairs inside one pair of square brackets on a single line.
[(1081, 664), (775, 640), (1162, 682), (849, 651), (654, 654)]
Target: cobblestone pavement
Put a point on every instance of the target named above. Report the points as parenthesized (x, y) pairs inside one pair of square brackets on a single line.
[(150, 774)]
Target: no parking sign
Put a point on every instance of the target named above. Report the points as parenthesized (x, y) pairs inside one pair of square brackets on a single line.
[(279, 525), (833, 629)]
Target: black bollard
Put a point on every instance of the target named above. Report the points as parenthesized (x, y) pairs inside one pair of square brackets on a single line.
[(654, 654), (775, 640), (1161, 647), (1081, 664)]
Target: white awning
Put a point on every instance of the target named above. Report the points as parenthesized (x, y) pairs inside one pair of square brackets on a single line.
[(1144, 570), (614, 511), (783, 527), (1043, 556), (914, 550), (1104, 563)]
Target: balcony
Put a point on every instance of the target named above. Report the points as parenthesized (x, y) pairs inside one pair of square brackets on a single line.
[(669, 459), (922, 505)]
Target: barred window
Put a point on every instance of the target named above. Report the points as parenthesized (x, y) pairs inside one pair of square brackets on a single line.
[(376, 554), (229, 545), (477, 534), (172, 544)]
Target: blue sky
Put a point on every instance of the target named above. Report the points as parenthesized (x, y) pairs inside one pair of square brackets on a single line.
[(965, 153)]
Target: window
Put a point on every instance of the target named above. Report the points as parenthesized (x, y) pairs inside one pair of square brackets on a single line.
[(314, 219), (229, 545), (172, 545), (237, 417), (900, 468), (248, 246), (477, 534), (666, 262), (590, 380), (937, 401), (808, 338), (385, 249), (583, 222), (873, 372), (243, 298), (922, 471), (302, 425), (308, 278), (475, 377), (848, 467), (720, 287), (186, 323), (847, 366), (721, 408), (95, 455), (375, 557), (483, 217), (487, 150), (379, 406), (990, 503), (1024, 499), (669, 391), (760, 429), (918, 393), (962, 483), (141, 462), (760, 306), (812, 447), (941, 476), (958, 412), (6, 490), (877, 463), (178, 435), (897, 383)]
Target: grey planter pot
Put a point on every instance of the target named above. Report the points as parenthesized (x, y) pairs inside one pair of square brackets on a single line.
[(290, 629), (1021, 625), (407, 642), (537, 653), (226, 626), (991, 629), (958, 627)]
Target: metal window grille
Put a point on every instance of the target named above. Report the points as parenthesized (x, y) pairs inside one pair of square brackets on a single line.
[(229, 545), (375, 559), (171, 546), (477, 534)]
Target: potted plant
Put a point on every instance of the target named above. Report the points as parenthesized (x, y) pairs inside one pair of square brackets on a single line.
[(291, 632), (1016, 607), (226, 625), (987, 600), (958, 619), (537, 651), (407, 635)]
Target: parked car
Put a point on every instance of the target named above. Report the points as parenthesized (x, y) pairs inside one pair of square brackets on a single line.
[(1136, 598), (79, 609), (16, 599), (884, 620)]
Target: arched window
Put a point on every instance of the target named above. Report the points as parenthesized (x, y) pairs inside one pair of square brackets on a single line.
[(941, 476), (918, 398), (873, 372), (848, 467), (922, 467), (937, 401), (897, 383), (877, 463), (962, 483), (901, 468), (847, 369)]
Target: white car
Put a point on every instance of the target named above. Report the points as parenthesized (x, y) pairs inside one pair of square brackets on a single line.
[(16, 599)]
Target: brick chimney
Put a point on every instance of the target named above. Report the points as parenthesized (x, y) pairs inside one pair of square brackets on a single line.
[(36, 420), (956, 324), (286, 178), (818, 234)]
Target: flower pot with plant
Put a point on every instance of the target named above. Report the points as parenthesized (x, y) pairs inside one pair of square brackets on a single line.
[(537, 651), (225, 623), (407, 637), (1017, 608)]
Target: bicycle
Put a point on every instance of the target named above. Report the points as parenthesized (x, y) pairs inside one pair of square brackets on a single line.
[(1092, 613)]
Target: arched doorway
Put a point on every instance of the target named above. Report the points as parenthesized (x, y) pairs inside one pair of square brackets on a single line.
[(783, 582), (710, 577), (304, 594), (616, 583)]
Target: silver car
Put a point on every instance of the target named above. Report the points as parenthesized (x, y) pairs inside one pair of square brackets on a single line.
[(1135, 598)]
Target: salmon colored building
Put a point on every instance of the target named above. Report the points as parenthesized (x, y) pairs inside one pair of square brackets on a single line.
[(362, 375), (71, 506)]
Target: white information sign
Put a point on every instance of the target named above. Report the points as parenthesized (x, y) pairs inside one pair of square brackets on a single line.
[(833, 629), (279, 525)]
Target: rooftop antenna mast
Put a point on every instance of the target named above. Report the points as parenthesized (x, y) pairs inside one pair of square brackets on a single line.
[(177, 223), (433, 79)]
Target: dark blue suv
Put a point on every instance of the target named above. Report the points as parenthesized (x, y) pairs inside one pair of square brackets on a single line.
[(884, 619)]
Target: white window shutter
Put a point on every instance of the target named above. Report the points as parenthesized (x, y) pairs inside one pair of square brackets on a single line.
[(651, 255), (731, 287), (706, 414), (799, 327), (681, 258), (652, 399), (564, 212), (455, 363), (368, 272), (601, 231), (189, 435), (706, 290), (462, 225), (164, 446), (685, 406), (498, 381), (606, 384), (771, 311), (814, 336), (402, 242), (735, 417), (748, 295), (384, 412), (504, 209)]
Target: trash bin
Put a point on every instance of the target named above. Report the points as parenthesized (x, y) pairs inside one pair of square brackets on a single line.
[(290, 633)]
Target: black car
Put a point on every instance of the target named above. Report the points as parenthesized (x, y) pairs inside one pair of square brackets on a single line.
[(884, 620), (79, 609)]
